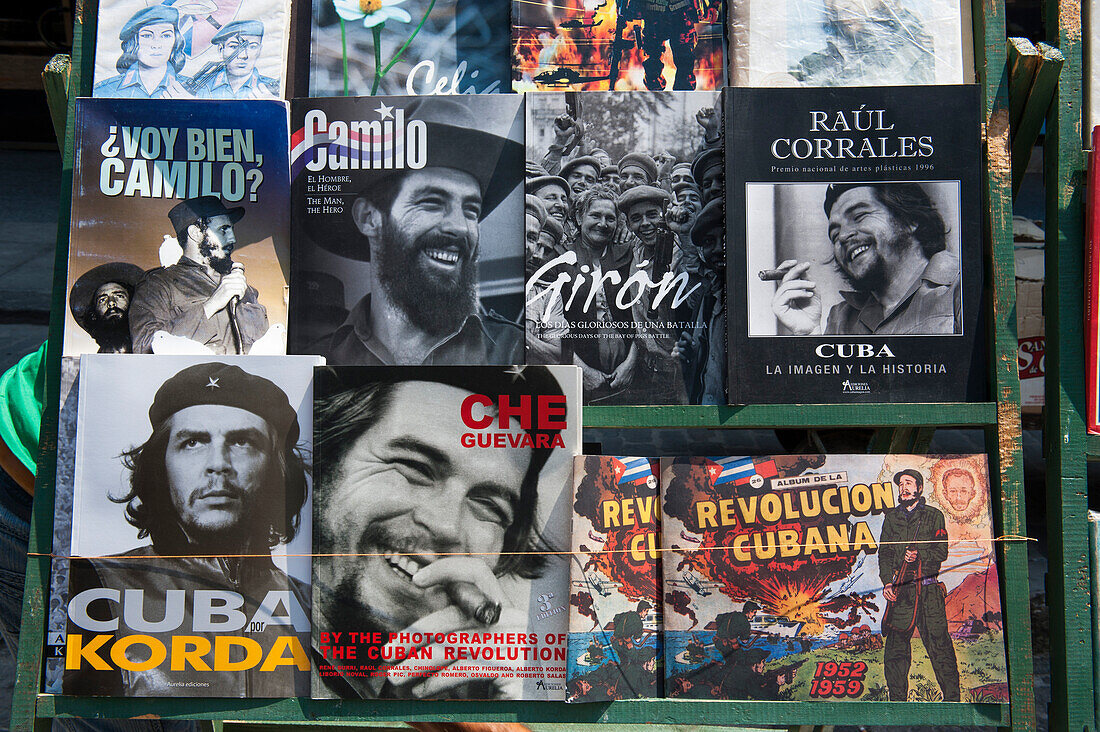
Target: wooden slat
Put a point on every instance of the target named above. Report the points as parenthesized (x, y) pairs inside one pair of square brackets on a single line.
[(1067, 493), (757, 416), (1023, 60), (55, 78), (1035, 111), (1004, 442), (663, 711)]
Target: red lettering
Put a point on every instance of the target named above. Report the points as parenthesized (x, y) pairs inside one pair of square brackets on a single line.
[(522, 411), (468, 411), (551, 406)]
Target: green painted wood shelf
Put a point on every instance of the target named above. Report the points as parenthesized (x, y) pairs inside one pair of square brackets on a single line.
[(762, 416)]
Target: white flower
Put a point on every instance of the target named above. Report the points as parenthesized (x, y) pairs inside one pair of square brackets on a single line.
[(372, 12)]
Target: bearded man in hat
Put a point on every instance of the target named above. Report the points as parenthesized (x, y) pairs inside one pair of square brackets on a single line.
[(152, 57), (421, 231), (204, 296), (912, 548), (235, 77), (218, 484), (100, 303)]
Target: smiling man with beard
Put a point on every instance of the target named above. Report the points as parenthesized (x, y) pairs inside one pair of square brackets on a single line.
[(890, 245), (420, 230), (418, 534), (203, 295)]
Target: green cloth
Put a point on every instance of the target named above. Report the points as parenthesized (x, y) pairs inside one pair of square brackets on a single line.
[(22, 391)]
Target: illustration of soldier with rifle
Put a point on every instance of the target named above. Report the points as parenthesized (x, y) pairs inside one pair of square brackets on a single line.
[(235, 76), (912, 546), (662, 20)]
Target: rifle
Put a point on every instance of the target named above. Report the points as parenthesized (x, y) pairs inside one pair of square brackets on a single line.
[(617, 44), (789, 671), (902, 576)]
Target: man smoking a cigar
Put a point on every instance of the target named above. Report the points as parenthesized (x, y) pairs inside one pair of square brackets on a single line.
[(889, 244), (436, 538)]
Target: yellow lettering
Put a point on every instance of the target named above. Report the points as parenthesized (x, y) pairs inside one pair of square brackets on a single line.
[(706, 511), (748, 509), (813, 541), (884, 496), (789, 510), (611, 513), (157, 652), (76, 651), (771, 510), (788, 543), (275, 656), (728, 518), (189, 649), (828, 499), (740, 553), (838, 538), (628, 511), (222, 644), (861, 499), (863, 537)]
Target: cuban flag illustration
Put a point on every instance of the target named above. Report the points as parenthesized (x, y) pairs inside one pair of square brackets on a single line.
[(631, 469), (738, 470)]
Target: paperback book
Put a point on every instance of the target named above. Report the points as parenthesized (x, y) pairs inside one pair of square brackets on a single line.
[(617, 45), (850, 43), (179, 240), (856, 259), (210, 49), (190, 528), (615, 595), (411, 47), (441, 529), (407, 229), (831, 577), (625, 243)]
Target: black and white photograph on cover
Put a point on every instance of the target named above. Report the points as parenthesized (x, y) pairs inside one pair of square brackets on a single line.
[(409, 263), (440, 524), (625, 256), (853, 259), (849, 42), (201, 49), (191, 527)]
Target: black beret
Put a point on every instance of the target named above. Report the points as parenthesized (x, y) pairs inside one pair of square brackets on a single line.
[(192, 210), (914, 474), (230, 386)]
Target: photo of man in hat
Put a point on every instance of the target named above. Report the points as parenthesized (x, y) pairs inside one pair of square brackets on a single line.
[(215, 483), (235, 76), (153, 55), (420, 230), (204, 297), (100, 304), (636, 169)]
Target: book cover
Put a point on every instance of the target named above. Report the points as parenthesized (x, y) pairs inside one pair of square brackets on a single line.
[(856, 260), (191, 527), (850, 43), (625, 243), (622, 45), (56, 616), (410, 47), (831, 577), (615, 595), (179, 240), (442, 530), (206, 49), (407, 229)]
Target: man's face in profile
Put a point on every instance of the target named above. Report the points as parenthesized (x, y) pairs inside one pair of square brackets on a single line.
[(111, 301), (218, 242), (645, 219), (532, 230), (217, 461), (712, 183), (868, 242), (246, 50), (581, 178), (406, 492), (427, 252), (598, 222), (959, 490)]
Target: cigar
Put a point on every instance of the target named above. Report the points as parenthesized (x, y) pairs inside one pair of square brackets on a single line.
[(772, 275), (473, 602)]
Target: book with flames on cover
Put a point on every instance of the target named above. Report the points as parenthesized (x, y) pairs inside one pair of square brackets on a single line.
[(615, 598), (618, 45), (804, 577), (441, 528)]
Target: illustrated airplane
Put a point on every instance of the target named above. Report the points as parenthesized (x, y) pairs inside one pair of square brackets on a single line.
[(700, 586), (576, 24), (597, 583)]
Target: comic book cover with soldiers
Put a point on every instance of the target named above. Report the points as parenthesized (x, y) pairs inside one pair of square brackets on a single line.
[(625, 243), (615, 597), (441, 531), (407, 239), (180, 234), (201, 49), (618, 45), (855, 257), (412, 47), (831, 577)]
